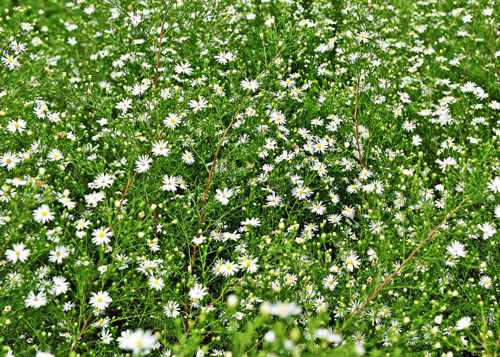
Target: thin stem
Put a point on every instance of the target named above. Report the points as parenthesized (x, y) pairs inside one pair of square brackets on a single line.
[(129, 183), (493, 51), (159, 47), (209, 306), (258, 343), (83, 329), (356, 122), (465, 67), (193, 260), (399, 268), (357, 142), (191, 268)]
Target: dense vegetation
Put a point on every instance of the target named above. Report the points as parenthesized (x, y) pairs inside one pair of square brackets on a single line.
[(249, 178)]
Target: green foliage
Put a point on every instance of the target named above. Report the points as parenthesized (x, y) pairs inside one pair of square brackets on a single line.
[(252, 178)]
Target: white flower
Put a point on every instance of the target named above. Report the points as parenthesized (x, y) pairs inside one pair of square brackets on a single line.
[(58, 254), (318, 207), (183, 68), (43, 214), (10, 160), (274, 200), (103, 181), (487, 12), (254, 222), (16, 125), (198, 291), (463, 323), (228, 268), (66, 201), (35, 301), (348, 211), (497, 212), (102, 236), (251, 85), (94, 198), (485, 282), (170, 183), (487, 229), (60, 285), (142, 163), (140, 342), (172, 121), (456, 249), (270, 336), (17, 253), (223, 196), (124, 105), (285, 309), (330, 282), (100, 300), (160, 148), (198, 105), (172, 309), (249, 264), (224, 57), (55, 155), (352, 261), (106, 337), (198, 240), (494, 185), (446, 162), (188, 158), (156, 283), (416, 140)]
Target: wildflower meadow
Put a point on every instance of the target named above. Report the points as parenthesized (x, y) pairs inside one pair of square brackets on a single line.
[(249, 178)]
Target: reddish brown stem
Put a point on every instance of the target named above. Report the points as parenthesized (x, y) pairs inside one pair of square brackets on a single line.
[(127, 188), (83, 329), (191, 268), (398, 269), (493, 52)]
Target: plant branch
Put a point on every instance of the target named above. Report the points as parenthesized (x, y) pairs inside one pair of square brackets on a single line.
[(356, 122), (209, 306), (493, 52), (398, 269)]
